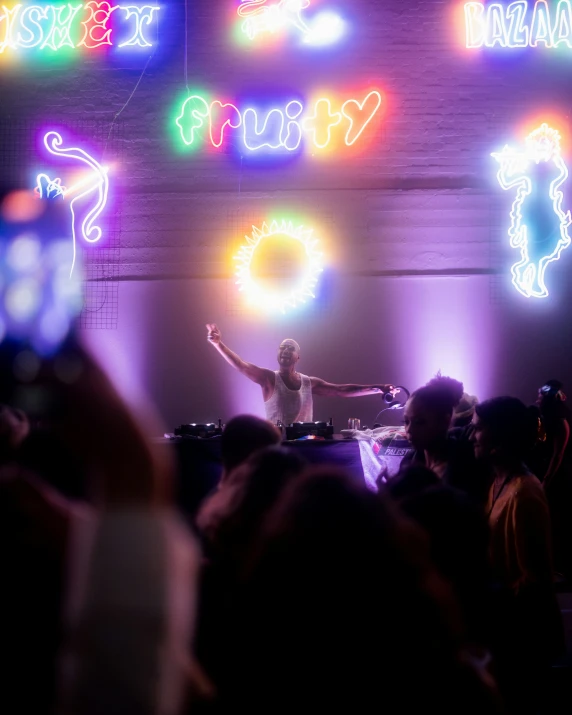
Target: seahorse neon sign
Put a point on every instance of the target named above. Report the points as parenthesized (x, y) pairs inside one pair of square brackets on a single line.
[(539, 229), (278, 128), (262, 17), (71, 25), (518, 24), (302, 289), (95, 184)]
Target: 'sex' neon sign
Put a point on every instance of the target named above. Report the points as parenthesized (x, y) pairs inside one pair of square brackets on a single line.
[(72, 25), (518, 24), (278, 128)]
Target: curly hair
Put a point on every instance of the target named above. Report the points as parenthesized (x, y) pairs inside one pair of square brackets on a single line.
[(441, 394)]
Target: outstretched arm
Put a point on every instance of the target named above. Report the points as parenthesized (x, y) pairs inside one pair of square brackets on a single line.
[(321, 388), (260, 375)]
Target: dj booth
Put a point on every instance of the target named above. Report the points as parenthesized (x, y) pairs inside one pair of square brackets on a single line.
[(364, 454), (200, 465)]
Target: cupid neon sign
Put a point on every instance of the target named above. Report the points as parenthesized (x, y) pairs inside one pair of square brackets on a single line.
[(518, 24), (53, 27), (280, 128), (263, 17), (538, 224), (95, 185)]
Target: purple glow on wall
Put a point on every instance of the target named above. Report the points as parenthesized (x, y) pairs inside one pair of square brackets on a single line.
[(449, 328)]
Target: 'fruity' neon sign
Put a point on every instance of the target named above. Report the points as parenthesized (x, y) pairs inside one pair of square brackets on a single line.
[(518, 24), (55, 27), (279, 128), (263, 17), (539, 226), (96, 184), (274, 301)]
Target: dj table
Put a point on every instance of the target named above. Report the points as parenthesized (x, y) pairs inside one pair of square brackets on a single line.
[(200, 465)]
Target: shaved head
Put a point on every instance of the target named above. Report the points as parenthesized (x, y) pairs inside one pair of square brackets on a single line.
[(289, 341)]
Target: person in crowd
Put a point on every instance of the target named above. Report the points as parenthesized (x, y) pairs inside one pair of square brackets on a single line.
[(107, 589), (342, 611), (527, 624), (288, 394), (464, 411), (230, 523), (242, 436), (458, 537), (427, 417), (555, 469)]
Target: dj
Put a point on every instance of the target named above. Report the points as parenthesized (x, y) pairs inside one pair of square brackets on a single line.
[(288, 395)]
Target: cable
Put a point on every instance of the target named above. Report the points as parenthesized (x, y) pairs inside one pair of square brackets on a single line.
[(136, 85)]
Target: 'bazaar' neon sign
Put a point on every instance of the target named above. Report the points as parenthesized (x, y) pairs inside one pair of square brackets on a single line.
[(54, 27), (539, 226), (301, 290), (278, 128), (263, 17), (96, 185), (519, 24)]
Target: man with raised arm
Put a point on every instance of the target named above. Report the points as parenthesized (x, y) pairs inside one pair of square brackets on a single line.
[(288, 395)]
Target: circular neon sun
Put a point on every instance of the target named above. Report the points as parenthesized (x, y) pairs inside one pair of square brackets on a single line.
[(302, 288)]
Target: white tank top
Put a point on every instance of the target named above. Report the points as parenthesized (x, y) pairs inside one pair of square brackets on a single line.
[(287, 405)]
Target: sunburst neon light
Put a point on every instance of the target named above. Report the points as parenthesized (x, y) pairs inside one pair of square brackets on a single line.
[(536, 251), (298, 293)]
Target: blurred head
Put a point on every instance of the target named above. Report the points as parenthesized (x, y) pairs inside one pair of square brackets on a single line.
[(505, 430), (243, 435), (337, 565), (464, 411), (231, 517), (550, 393), (288, 353), (429, 411)]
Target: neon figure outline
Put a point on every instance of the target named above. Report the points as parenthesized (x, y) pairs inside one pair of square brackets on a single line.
[(299, 293), (542, 146), (258, 18), (49, 26), (90, 232), (286, 122), (515, 25)]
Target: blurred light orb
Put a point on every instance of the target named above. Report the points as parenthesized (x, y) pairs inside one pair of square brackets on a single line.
[(23, 299), (26, 366), (21, 206), (24, 254)]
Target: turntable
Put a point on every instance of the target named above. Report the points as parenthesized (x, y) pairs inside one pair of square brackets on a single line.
[(297, 430)]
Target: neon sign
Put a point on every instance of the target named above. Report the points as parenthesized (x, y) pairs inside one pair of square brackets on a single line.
[(53, 27), (95, 184), (518, 24), (262, 17), (278, 128), (539, 226), (302, 289)]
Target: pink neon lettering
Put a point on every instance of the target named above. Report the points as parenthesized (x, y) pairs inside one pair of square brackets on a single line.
[(222, 116), (360, 115), (96, 32)]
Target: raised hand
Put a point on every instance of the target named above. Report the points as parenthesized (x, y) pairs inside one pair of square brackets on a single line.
[(213, 335)]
